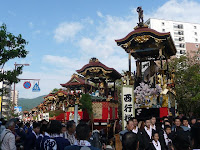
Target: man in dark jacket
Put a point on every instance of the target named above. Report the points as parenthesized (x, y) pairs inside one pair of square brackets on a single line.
[(129, 141), (147, 133), (30, 141)]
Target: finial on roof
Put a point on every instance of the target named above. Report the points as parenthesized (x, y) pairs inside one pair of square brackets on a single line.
[(140, 15), (93, 60), (141, 23)]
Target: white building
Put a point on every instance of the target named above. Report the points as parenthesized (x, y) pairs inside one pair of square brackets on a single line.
[(16, 97), (186, 35), (5, 99)]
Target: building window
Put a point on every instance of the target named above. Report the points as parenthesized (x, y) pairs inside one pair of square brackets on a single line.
[(196, 40), (180, 32), (181, 38), (195, 33), (163, 30), (180, 26), (182, 52), (163, 23), (195, 27), (182, 45), (197, 45)]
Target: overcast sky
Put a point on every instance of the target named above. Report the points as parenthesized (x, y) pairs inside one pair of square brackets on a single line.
[(64, 34)]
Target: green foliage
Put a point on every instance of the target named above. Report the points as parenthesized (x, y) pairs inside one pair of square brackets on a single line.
[(187, 87), (55, 113), (11, 47), (55, 90), (118, 85), (86, 103)]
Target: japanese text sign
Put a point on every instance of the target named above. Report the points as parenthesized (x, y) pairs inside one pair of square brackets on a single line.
[(128, 110)]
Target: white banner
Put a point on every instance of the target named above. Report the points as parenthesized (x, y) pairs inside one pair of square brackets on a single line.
[(46, 116), (128, 109)]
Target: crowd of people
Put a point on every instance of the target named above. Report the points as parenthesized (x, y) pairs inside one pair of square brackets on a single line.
[(151, 134), (53, 135), (176, 134)]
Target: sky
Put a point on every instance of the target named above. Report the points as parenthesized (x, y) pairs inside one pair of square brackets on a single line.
[(63, 35)]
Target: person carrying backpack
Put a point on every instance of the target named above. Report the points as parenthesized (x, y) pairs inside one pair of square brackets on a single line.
[(7, 137)]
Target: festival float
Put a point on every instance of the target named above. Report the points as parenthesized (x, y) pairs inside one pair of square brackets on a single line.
[(95, 79), (152, 82)]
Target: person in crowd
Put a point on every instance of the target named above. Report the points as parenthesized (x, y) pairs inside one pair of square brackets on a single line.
[(147, 133), (55, 141), (129, 141), (83, 134), (27, 128), (129, 127), (64, 129), (198, 119), (153, 123), (186, 126), (21, 133), (46, 135), (3, 123), (70, 133), (195, 136), (155, 144), (177, 123), (43, 130), (7, 136), (16, 120), (135, 125), (180, 139), (165, 123), (44, 122), (165, 118), (141, 125), (165, 138), (30, 141), (193, 120), (137, 131)]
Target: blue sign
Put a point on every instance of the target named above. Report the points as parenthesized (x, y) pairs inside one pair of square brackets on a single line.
[(18, 109), (36, 88), (27, 85)]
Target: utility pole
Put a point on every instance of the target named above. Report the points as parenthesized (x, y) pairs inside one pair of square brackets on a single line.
[(14, 83)]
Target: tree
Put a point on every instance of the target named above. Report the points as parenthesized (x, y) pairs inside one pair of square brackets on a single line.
[(11, 47), (187, 87), (55, 90), (86, 103)]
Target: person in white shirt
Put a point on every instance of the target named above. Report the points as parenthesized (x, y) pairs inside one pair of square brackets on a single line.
[(153, 123), (146, 135), (7, 137), (155, 145), (135, 126), (70, 133)]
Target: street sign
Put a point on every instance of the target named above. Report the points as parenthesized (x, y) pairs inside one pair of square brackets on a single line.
[(36, 88), (18, 109), (27, 85)]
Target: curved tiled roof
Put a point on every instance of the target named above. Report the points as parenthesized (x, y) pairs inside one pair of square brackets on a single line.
[(95, 63), (75, 80), (144, 48), (144, 31)]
